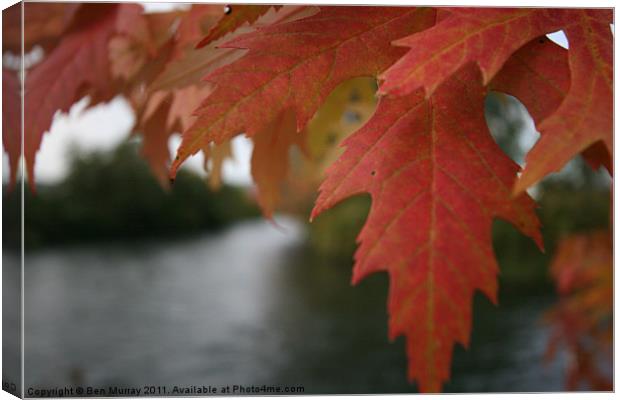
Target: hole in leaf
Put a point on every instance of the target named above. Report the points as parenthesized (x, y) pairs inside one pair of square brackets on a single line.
[(559, 38), (510, 125)]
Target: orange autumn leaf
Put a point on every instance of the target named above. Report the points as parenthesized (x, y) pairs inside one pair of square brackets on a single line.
[(270, 164), (301, 62), (132, 45), (77, 66), (581, 321), (166, 113), (184, 102), (190, 66), (234, 16), (161, 25), (156, 132), (215, 155), (44, 23), (197, 21), (156, 51), (182, 77), (127, 57), (581, 261), (410, 158)]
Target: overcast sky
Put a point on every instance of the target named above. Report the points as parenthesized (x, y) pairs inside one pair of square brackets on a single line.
[(104, 126)]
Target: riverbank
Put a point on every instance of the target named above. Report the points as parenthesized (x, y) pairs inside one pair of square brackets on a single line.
[(115, 197)]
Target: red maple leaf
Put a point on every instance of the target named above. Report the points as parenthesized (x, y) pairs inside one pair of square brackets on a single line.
[(486, 36), (585, 117), (296, 65), (77, 66), (538, 75), (490, 37), (437, 180)]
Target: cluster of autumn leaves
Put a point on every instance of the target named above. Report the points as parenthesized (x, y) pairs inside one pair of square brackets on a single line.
[(581, 321), (436, 177)]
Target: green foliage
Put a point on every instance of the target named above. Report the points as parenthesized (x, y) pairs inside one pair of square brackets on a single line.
[(333, 235), (114, 196), (562, 212)]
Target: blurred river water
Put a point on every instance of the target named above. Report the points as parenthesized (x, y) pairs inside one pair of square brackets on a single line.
[(248, 306)]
